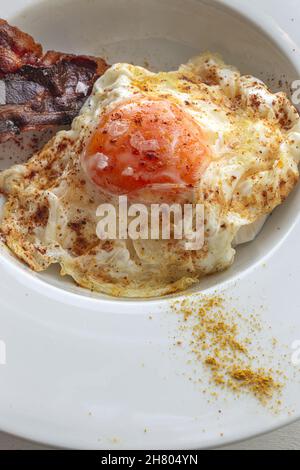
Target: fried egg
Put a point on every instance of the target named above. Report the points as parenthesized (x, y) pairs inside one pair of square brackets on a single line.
[(203, 134)]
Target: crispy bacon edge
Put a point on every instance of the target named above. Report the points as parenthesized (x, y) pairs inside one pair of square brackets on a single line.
[(37, 90)]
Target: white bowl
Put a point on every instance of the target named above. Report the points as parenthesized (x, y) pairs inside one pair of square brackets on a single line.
[(65, 381), (165, 34)]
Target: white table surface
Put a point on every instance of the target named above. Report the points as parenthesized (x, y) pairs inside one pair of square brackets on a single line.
[(285, 439)]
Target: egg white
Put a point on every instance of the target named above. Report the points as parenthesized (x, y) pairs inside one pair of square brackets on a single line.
[(254, 136)]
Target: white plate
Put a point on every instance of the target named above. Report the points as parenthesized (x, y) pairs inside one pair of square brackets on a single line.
[(85, 371)]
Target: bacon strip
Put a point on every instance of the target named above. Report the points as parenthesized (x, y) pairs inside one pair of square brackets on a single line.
[(40, 91)]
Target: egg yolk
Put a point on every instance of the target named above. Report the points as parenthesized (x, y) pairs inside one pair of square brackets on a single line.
[(146, 142)]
